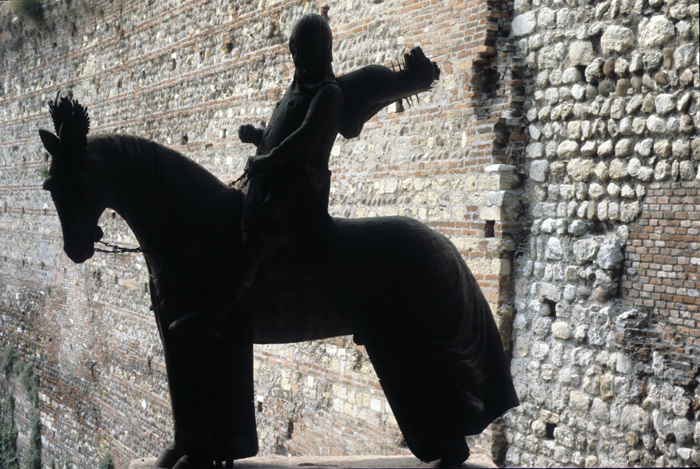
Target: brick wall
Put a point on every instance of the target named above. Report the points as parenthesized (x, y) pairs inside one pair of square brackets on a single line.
[(662, 281)]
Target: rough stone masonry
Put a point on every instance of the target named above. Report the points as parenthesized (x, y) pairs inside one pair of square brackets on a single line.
[(558, 152)]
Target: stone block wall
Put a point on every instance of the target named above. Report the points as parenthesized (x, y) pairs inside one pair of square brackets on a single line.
[(605, 333), (187, 73)]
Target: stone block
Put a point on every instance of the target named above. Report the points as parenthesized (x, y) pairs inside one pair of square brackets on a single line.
[(534, 150), (567, 149), (617, 39), (578, 228), (490, 213), (657, 32), (662, 171), (561, 330), (635, 418), (664, 103), (618, 170), (634, 166), (580, 169), (610, 255), (550, 291), (605, 149), (524, 24), (579, 402), (538, 170), (681, 150), (607, 386)]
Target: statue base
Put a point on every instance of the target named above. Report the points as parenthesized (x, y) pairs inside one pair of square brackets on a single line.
[(474, 461)]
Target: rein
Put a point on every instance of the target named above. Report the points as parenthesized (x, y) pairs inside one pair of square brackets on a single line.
[(244, 177), (116, 249)]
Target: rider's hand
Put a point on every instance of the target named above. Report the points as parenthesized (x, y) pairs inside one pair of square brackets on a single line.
[(249, 134), (256, 164)]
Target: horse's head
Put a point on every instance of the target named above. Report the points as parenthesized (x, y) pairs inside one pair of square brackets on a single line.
[(72, 181)]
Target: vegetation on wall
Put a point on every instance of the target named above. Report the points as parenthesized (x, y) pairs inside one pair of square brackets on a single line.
[(28, 10), (33, 458), (8, 435), (9, 458), (107, 462), (30, 383), (8, 360)]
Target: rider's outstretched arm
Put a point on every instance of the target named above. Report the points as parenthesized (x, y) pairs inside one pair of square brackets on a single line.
[(374, 87)]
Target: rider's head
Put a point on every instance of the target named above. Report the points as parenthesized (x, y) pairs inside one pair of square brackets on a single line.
[(311, 47)]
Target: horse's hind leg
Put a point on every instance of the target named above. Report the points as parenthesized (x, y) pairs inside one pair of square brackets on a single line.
[(420, 399), (454, 452)]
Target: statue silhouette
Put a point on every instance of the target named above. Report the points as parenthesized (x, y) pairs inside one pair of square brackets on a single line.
[(400, 288)]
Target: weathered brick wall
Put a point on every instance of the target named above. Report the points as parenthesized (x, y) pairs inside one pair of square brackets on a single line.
[(187, 74), (661, 283), (606, 324)]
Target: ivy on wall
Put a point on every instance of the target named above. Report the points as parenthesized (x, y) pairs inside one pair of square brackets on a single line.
[(8, 435), (9, 457)]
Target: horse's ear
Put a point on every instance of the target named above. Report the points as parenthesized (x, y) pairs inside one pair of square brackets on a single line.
[(51, 142)]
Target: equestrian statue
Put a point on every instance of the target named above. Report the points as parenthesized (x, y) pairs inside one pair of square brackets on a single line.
[(262, 262)]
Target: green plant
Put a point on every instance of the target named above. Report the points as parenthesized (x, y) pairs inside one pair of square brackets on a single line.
[(8, 435), (44, 172), (30, 382), (28, 10), (8, 360), (33, 458), (107, 462)]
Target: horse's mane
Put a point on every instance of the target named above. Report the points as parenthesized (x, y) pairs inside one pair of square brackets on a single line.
[(166, 169)]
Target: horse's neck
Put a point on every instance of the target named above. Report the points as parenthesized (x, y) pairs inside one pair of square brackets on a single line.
[(164, 197)]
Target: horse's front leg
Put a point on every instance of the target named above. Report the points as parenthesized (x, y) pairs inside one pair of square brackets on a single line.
[(169, 457), (188, 462)]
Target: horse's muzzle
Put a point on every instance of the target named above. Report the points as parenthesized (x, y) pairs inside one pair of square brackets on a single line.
[(97, 234), (80, 252)]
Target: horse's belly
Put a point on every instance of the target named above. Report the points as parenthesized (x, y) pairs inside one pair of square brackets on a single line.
[(293, 308)]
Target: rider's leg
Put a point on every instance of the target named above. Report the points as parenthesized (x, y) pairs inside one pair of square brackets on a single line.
[(229, 289)]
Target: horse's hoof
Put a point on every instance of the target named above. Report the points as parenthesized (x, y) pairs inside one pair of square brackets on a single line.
[(169, 457), (447, 463), (454, 452), (189, 462)]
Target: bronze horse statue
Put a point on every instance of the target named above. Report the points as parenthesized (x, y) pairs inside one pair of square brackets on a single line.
[(402, 289)]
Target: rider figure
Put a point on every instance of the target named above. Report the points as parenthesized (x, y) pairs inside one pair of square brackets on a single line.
[(288, 178)]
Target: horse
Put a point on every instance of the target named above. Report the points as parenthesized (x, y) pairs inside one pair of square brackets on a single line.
[(401, 289)]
